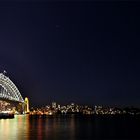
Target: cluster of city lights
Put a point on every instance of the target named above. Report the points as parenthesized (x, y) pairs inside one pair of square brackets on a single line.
[(73, 108), (62, 109)]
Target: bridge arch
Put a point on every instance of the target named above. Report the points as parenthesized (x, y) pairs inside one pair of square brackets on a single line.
[(8, 90)]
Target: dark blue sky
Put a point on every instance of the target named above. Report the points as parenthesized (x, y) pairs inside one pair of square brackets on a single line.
[(84, 52)]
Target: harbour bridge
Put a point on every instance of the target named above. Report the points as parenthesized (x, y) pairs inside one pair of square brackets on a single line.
[(9, 92)]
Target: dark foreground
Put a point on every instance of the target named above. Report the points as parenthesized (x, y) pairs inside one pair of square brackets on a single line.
[(70, 128), (6, 116)]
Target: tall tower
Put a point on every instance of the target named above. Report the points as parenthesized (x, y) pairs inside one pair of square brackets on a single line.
[(27, 105)]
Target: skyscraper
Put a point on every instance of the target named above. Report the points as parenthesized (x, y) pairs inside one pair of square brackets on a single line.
[(54, 105)]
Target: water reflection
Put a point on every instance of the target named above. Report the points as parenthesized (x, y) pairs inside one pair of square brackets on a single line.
[(14, 129), (70, 128), (52, 128)]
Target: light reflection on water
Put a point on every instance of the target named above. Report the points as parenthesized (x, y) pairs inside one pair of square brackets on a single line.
[(68, 128), (14, 129), (22, 127)]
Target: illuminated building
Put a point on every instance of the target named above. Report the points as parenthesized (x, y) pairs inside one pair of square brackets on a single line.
[(54, 105), (59, 106)]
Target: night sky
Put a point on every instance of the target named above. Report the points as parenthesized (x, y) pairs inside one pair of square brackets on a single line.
[(82, 52)]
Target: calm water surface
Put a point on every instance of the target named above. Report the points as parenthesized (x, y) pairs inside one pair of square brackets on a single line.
[(69, 128)]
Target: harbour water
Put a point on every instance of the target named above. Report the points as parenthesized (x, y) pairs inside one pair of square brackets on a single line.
[(72, 127)]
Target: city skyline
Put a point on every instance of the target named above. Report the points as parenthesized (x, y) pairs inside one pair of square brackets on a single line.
[(72, 52)]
